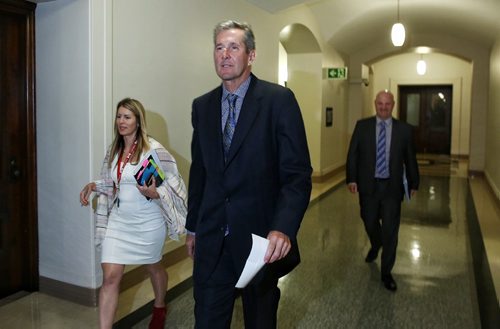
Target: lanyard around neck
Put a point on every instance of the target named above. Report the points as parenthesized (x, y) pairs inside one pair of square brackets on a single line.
[(120, 167)]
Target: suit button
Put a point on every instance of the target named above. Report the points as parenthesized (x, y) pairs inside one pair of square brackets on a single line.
[(227, 200)]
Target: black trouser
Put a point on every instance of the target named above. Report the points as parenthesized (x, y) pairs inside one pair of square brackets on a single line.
[(381, 214), (214, 299)]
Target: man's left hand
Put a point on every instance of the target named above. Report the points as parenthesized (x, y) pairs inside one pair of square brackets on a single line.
[(279, 246)]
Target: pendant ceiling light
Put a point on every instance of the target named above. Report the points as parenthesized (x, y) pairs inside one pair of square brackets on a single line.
[(398, 32), (421, 66)]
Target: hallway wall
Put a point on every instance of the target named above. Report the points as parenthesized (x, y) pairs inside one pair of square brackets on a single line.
[(493, 123), (65, 159), (304, 58), (335, 138), (304, 78)]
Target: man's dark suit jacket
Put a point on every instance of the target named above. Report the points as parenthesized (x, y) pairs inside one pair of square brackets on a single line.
[(264, 185), (361, 157)]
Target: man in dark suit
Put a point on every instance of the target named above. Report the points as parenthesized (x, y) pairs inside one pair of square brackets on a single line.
[(381, 152), (256, 181)]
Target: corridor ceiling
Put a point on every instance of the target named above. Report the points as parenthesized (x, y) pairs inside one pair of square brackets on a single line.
[(351, 25)]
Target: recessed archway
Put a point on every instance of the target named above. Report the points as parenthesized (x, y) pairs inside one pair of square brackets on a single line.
[(300, 69)]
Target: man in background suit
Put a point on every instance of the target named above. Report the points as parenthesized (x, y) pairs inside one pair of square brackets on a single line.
[(381, 152), (257, 181)]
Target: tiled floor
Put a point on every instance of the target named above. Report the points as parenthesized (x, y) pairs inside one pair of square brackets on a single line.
[(333, 287)]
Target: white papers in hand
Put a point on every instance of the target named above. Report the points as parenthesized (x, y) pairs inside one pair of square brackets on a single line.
[(255, 260), (405, 185)]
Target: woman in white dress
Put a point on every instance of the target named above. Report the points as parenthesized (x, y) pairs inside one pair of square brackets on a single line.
[(132, 220)]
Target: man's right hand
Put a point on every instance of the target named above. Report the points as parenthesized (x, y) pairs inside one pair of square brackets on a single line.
[(353, 187)]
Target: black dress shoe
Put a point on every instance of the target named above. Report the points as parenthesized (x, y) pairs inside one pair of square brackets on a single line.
[(372, 255), (389, 282)]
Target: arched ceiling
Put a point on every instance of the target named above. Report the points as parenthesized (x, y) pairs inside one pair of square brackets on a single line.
[(351, 25), (298, 39)]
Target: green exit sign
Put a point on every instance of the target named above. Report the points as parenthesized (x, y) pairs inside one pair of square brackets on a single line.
[(337, 73)]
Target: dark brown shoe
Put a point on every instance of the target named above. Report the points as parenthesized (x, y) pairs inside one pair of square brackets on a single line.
[(389, 282)]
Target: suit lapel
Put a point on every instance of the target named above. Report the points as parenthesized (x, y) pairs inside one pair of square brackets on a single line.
[(372, 131), (211, 137), (248, 113), (394, 141)]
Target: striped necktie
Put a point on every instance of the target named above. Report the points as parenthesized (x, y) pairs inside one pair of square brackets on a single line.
[(381, 166), (230, 124)]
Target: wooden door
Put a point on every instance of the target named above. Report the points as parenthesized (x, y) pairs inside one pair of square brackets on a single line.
[(429, 110), (18, 223)]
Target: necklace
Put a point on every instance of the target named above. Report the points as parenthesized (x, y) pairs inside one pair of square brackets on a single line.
[(120, 167)]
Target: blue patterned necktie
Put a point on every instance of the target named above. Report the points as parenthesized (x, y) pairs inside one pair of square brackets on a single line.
[(381, 167), (230, 124)]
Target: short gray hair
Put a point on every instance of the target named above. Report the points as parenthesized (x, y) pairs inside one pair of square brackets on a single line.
[(249, 38)]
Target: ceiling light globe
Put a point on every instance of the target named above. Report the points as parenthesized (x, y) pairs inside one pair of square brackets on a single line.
[(421, 67), (398, 35)]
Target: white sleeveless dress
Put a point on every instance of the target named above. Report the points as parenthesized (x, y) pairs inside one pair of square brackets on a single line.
[(136, 229)]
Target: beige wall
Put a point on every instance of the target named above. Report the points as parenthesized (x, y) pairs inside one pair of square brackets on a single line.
[(304, 78), (493, 123), (334, 139)]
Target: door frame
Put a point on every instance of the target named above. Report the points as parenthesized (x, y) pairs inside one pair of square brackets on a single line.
[(425, 128), (30, 276)]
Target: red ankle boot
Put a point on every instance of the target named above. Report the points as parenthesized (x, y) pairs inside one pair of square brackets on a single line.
[(158, 318)]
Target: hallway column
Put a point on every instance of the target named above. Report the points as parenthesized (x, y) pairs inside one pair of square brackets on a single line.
[(74, 125)]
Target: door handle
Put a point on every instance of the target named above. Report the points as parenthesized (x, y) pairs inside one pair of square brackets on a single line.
[(15, 171)]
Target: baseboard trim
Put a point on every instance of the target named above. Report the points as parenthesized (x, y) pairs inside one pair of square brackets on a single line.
[(324, 177), (485, 288), (475, 173), (73, 293)]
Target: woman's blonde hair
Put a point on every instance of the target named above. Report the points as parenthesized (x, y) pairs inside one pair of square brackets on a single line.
[(118, 144)]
